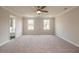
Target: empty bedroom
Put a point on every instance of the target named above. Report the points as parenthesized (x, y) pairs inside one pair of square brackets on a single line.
[(39, 29)]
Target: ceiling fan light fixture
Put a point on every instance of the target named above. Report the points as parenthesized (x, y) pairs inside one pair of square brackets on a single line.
[(38, 12)]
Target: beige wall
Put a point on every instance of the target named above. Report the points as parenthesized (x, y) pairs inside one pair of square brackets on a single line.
[(38, 25), (67, 26), (4, 25)]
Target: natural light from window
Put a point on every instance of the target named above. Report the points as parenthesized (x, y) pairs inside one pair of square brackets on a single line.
[(46, 24), (30, 24)]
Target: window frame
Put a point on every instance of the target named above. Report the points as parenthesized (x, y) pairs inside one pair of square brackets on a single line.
[(46, 24), (30, 24)]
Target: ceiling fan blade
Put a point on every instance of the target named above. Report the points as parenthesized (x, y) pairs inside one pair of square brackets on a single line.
[(43, 7), (38, 7), (44, 11)]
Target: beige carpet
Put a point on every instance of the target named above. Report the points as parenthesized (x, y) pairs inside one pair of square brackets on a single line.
[(38, 44)]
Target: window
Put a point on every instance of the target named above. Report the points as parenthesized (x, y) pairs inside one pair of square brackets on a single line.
[(30, 24), (46, 23)]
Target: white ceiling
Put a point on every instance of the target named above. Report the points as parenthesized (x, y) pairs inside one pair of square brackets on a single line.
[(30, 10)]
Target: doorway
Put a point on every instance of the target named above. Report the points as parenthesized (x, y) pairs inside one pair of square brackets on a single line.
[(12, 27)]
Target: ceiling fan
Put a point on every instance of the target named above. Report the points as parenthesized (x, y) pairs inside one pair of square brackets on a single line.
[(40, 9)]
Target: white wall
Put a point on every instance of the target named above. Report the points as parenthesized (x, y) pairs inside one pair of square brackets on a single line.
[(18, 26), (67, 26), (5, 25), (38, 26)]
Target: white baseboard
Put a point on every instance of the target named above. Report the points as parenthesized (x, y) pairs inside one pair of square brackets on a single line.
[(77, 45), (4, 43)]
